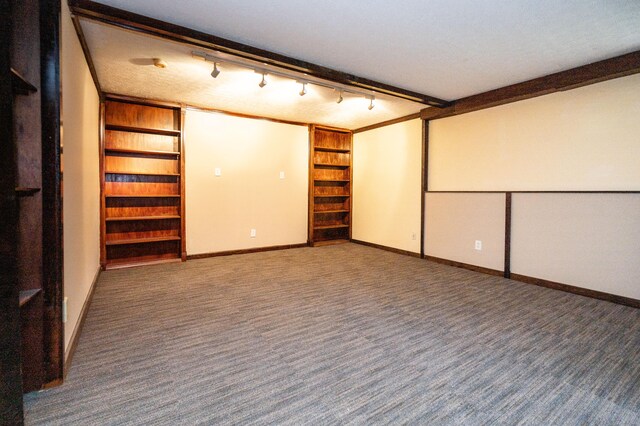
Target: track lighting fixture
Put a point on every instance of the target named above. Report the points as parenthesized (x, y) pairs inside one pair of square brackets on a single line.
[(216, 72), (371, 103), (217, 58)]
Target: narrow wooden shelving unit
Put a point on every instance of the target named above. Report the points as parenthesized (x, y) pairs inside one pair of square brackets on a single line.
[(330, 178), (143, 185)]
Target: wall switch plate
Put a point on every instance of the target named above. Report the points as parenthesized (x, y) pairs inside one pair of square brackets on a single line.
[(478, 245), (252, 234), (64, 309), (281, 175), (217, 172), (414, 236)]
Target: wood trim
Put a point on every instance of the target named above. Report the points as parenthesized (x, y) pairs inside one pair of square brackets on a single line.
[(351, 186), (52, 237), (507, 235), (465, 266), (242, 115), (387, 248), (103, 215), (332, 128), (141, 101), (132, 21), (246, 251), (534, 192), (388, 122), (87, 53), (424, 183), (621, 300), (75, 336), (183, 212), (310, 199), (596, 72)]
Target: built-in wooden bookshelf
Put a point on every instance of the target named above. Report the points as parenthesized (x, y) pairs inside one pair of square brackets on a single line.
[(143, 186), (330, 175)]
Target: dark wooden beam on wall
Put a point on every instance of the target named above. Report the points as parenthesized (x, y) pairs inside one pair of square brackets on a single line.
[(132, 21), (424, 187), (51, 191), (596, 72), (507, 235), (388, 122)]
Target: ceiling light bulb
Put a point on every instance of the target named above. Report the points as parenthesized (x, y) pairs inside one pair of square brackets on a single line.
[(304, 89), (340, 98), (159, 63), (371, 104), (263, 82), (216, 72)]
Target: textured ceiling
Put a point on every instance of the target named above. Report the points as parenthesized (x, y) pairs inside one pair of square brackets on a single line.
[(444, 48), (123, 62)]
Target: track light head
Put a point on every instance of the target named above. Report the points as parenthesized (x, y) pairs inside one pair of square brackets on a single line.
[(304, 89), (216, 72), (159, 63), (340, 98), (371, 103), (263, 82)]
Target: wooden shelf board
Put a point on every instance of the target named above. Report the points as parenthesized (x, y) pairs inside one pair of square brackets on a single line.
[(112, 172), (142, 152), (142, 240), (329, 242), (331, 164), (327, 149), (330, 227), (20, 84), (331, 196), (26, 192), (121, 264), (332, 180), (27, 295), (125, 218), (331, 211), (164, 132), (143, 196)]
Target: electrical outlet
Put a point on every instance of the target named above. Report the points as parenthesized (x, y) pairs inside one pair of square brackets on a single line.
[(252, 234), (478, 245), (281, 175), (414, 236), (217, 172)]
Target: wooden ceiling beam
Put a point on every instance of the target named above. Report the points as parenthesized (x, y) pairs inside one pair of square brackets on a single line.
[(596, 72)]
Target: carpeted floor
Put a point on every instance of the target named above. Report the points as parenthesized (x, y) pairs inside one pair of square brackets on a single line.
[(343, 334)]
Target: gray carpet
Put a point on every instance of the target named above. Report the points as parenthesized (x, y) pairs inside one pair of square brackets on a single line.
[(343, 334)]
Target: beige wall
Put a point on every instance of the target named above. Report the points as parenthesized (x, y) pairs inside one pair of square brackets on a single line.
[(386, 185), (586, 240), (81, 200), (220, 211), (454, 221), (582, 139)]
